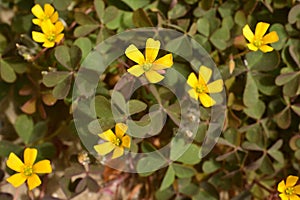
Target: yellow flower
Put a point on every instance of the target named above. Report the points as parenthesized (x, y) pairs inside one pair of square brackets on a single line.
[(288, 190), (44, 15), (51, 34), (115, 142), (148, 66), (201, 88), (258, 40), (27, 170)]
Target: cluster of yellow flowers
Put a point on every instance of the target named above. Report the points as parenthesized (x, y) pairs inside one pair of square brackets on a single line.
[(51, 27)]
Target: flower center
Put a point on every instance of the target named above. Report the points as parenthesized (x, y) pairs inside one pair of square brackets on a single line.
[(257, 42), (51, 37), (147, 66), (289, 191), (200, 88), (117, 142), (28, 171)]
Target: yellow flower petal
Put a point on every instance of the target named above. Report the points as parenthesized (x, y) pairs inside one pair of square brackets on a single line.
[(297, 189), (270, 38), (153, 76), (59, 38), (252, 47), (260, 29), (281, 187), (47, 27), (216, 86), (152, 48), (284, 197), (163, 62), (14, 162), (206, 100), (48, 9), (38, 37), (36, 22), (108, 135), (205, 73), (48, 44), (17, 179), (248, 33), (33, 181), (291, 181), (266, 48), (193, 94), (136, 70), (30, 156), (192, 80), (104, 148), (294, 197), (134, 54), (120, 129), (54, 17), (59, 27), (119, 151), (126, 141), (42, 167), (37, 11)]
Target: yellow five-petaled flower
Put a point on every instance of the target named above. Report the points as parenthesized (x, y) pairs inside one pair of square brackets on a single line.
[(258, 40), (289, 190), (44, 15), (148, 65), (27, 170), (201, 88), (115, 142), (51, 33)]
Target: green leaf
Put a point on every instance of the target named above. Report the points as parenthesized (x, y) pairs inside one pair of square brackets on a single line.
[(7, 147), (85, 46), (103, 107), (210, 166), (24, 128), (61, 90), (260, 61), (203, 26), (240, 18), (111, 13), (294, 14), (7, 72), (282, 79), (255, 107), (136, 106), (207, 4), (39, 131), (178, 147), (219, 38), (150, 163), (191, 155), (134, 5), (99, 6), (177, 11), (84, 30), (168, 179), (3, 43), (283, 119), (141, 19), (53, 78), (83, 19), (68, 57), (296, 108), (182, 171), (61, 5)]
